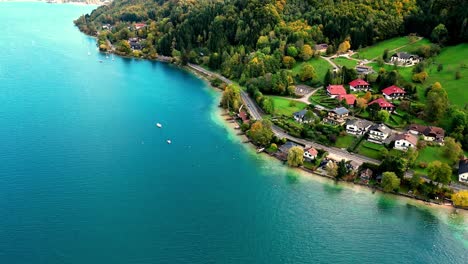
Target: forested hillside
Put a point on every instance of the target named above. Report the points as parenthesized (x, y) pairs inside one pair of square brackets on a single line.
[(257, 41)]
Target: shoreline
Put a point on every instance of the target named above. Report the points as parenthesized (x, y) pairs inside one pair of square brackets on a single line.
[(302, 171), (231, 127)]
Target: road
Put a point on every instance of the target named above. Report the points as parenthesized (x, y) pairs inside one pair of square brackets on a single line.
[(256, 113)]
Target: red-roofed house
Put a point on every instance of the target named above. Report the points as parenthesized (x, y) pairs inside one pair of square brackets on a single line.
[(310, 153), (405, 141), (383, 104), (243, 115), (350, 99), (359, 85), (335, 90), (393, 92), (139, 26)]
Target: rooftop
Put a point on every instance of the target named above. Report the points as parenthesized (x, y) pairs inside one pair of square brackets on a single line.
[(381, 127), (382, 103), (340, 111), (360, 123), (358, 82), (408, 137), (463, 166), (393, 90), (350, 98), (336, 89)]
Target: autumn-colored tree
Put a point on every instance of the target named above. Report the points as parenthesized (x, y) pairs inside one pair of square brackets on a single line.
[(390, 181), (289, 62), (307, 73), (420, 77), (452, 150), (460, 198), (295, 156), (260, 133), (439, 172), (344, 47), (306, 52)]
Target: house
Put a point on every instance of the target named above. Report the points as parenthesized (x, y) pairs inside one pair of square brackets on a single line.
[(283, 150), (405, 58), (405, 141), (393, 92), (335, 90), (359, 85), (106, 26), (321, 48), (463, 170), (429, 133), (301, 116), (134, 43), (383, 104), (358, 127), (366, 175), (349, 98), (337, 116), (378, 133), (139, 26), (363, 69), (244, 117), (310, 153)]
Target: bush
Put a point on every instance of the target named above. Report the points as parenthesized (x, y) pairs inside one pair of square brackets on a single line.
[(422, 165)]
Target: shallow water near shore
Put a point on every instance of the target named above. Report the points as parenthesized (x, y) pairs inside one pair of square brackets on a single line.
[(87, 177)]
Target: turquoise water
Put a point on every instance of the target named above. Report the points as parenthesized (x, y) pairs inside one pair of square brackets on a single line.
[(86, 177)]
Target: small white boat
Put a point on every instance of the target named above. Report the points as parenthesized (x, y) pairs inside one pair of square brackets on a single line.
[(159, 125), (169, 141), (260, 150)]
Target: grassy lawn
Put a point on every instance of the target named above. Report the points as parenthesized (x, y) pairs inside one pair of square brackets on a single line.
[(429, 154), (378, 49), (405, 72), (321, 98), (345, 62), (451, 58), (282, 106), (344, 141), (370, 150), (320, 65), (414, 47)]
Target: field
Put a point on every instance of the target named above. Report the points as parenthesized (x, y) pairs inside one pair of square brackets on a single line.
[(370, 150), (345, 62), (321, 98), (405, 72), (429, 154), (344, 141), (320, 65), (453, 59), (283, 107), (377, 50)]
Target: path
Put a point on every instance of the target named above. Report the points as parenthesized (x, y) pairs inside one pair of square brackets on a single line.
[(256, 113), (330, 61)]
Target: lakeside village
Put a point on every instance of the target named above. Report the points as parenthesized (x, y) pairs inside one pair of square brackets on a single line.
[(358, 125)]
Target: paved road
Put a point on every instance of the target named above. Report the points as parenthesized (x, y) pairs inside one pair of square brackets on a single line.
[(256, 113)]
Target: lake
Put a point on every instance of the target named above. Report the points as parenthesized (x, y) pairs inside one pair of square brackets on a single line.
[(87, 177)]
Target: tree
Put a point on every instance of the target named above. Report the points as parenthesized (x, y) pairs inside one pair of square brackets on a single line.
[(328, 78), (437, 102), (460, 198), (260, 133), (411, 156), (292, 51), (395, 163), (439, 172), (383, 116), (344, 47), (440, 67), (458, 75), (342, 170), (332, 169), (268, 105), (295, 156), (361, 103), (390, 181), (289, 62), (420, 77), (439, 34), (307, 73), (452, 150), (385, 55), (415, 181), (231, 98), (306, 52)]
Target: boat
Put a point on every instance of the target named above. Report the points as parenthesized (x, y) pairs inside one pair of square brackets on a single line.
[(169, 141), (260, 150), (159, 125)]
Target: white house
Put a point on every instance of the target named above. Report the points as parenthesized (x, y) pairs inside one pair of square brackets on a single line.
[(378, 133), (405, 141), (393, 92), (463, 170), (429, 133), (405, 58), (358, 127), (310, 153), (359, 85), (335, 90)]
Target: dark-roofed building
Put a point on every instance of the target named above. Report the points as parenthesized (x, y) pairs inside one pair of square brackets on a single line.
[(429, 133), (337, 116), (405, 58), (363, 69), (463, 170), (321, 48), (405, 141), (358, 127), (359, 85), (301, 116), (134, 43), (366, 175), (378, 133), (283, 150)]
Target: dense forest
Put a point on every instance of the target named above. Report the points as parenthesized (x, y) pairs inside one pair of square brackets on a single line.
[(249, 39)]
